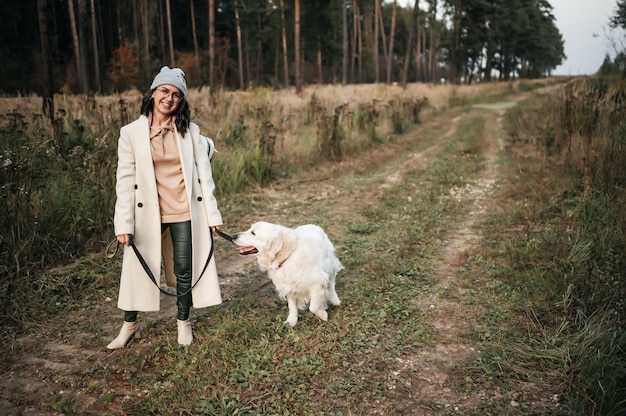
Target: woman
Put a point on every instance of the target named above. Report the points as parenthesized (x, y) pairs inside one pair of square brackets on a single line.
[(165, 185)]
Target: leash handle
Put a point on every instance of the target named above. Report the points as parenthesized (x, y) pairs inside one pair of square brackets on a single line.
[(109, 252)]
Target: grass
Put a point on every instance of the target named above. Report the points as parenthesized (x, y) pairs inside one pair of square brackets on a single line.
[(257, 365), (553, 249), (58, 185), (547, 331)]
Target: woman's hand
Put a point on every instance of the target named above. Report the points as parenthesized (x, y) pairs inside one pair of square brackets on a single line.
[(124, 239)]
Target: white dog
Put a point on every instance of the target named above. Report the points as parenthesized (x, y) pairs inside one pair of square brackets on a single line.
[(300, 261)]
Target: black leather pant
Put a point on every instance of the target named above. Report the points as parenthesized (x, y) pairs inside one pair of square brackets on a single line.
[(183, 258)]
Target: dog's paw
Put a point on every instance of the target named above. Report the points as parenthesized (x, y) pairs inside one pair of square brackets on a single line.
[(322, 314), (292, 322)]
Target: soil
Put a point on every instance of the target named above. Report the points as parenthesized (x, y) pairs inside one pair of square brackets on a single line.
[(37, 361)]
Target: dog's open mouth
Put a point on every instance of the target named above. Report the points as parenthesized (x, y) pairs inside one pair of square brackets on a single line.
[(247, 250)]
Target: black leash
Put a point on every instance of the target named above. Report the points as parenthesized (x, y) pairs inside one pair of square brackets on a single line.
[(223, 235), (149, 272)]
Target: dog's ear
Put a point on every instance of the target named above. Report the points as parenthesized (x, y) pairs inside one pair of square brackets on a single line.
[(278, 250)]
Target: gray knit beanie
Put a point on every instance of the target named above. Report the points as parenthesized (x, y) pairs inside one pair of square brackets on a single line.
[(171, 76)]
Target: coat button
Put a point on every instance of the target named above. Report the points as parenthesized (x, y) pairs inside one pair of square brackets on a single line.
[(140, 204), (199, 199)]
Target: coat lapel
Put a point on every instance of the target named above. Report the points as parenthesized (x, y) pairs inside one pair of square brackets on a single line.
[(145, 166)]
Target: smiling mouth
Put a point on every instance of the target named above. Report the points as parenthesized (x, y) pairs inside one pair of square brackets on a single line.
[(247, 250)]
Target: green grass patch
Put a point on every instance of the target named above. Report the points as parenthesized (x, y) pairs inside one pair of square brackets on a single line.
[(245, 360), (555, 314)]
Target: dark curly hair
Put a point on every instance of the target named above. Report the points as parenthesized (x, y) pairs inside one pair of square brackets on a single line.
[(181, 113)]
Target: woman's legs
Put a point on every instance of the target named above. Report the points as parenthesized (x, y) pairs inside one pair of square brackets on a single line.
[(182, 245), (130, 316), (181, 241)]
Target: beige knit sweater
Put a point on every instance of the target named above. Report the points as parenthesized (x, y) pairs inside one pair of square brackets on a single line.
[(173, 201)]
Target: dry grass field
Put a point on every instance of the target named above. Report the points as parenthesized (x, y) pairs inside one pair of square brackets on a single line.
[(440, 228)]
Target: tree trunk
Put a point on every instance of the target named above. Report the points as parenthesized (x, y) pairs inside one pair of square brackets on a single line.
[(259, 53), (284, 42), (355, 39), (297, 45), (456, 46), (242, 85), (376, 13), (94, 35), (194, 33), (83, 39), (46, 50), (170, 36), (433, 56), (320, 73), (80, 75), (433, 45), (211, 43), (135, 18), (161, 32), (247, 58), (277, 55), (145, 23), (118, 16), (366, 46), (407, 56), (360, 42), (382, 34), (419, 51), (506, 66), (346, 51), (391, 36)]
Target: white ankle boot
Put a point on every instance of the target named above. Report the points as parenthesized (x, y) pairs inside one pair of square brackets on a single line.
[(185, 335), (128, 331)]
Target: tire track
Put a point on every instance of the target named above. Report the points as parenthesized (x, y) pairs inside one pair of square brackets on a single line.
[(434, 374)]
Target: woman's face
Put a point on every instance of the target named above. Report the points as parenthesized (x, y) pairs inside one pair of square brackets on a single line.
[(166, 99)]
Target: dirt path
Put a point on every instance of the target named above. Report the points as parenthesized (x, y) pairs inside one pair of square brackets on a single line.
[(40, 359), (434, 372)]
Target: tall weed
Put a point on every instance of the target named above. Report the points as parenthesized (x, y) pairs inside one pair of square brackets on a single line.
[(567, 266), (58, 180)]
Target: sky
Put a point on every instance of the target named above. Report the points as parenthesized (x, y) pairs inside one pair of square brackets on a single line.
[(584, 25)]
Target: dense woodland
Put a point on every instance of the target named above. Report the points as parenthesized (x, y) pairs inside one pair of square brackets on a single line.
[(103, 46)]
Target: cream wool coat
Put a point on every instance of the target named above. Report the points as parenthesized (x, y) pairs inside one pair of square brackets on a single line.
[(137, 213)]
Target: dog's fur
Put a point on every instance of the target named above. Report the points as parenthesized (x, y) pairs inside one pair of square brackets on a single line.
[(300, 261)]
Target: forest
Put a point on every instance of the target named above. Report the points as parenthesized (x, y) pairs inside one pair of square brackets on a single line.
[(96, 46), (482, 225)]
